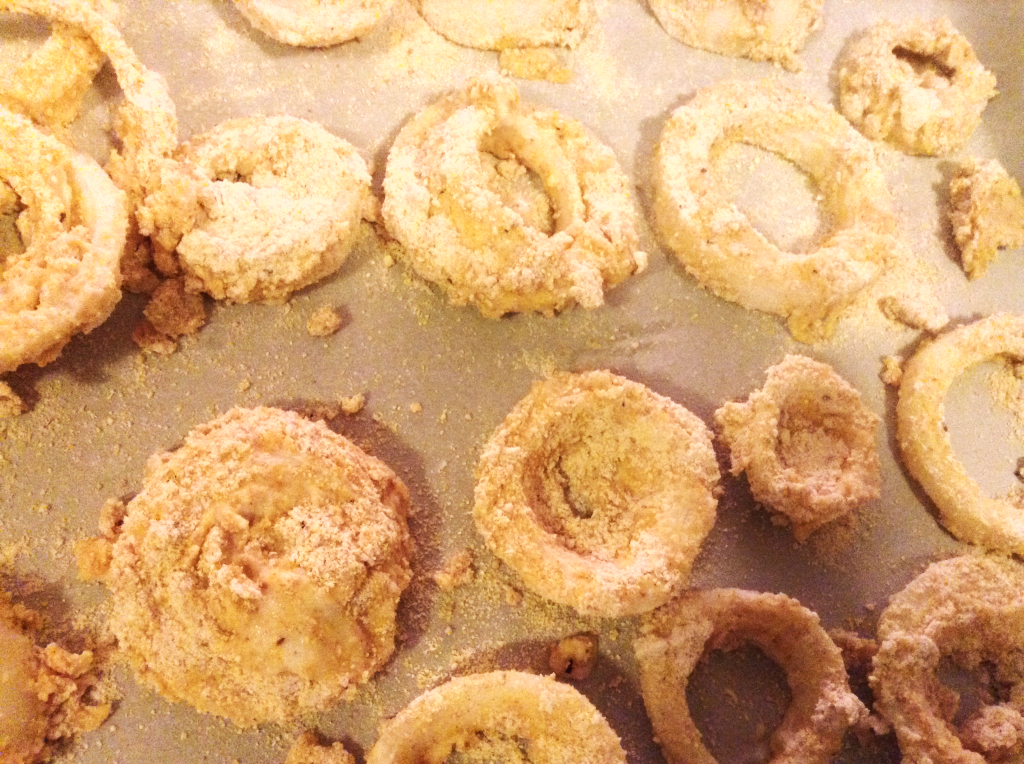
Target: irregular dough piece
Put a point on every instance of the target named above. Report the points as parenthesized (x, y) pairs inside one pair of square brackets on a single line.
[(986, 212), (501, 24), (314, 23), (257, 573)]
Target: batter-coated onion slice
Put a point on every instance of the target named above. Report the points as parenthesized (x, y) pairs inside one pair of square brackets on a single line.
[(501, 24), (73, 227), (807, 443), (598, 492), (971, 610), (717, 243), (554, 722), (459, 197), (677, 635), (260, 207), (918, 85), (314, 23), (964, 508), (762, 30)]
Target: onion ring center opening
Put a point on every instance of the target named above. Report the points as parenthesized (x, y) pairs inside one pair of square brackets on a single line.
[(791, 216), (737, 698), (22, 35), (11, 243), (975, 687), (809, 441), (491, 746), (930, 71)]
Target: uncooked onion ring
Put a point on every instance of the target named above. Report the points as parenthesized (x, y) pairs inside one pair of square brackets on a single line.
[(598, 492), (918, 85), (458, 197), (502, 24), (677, 635), (964, 508), (716, 242), (762, 30), (73, 226), (969, 609), (554, 721), (314, 23), (807, 443)]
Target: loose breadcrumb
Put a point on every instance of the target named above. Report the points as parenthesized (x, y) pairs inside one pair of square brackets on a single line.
[(307, 750), (11, 403), (353, 404), (323, 322), (892, 371), (574, 657), (534, 64), (458, 570)]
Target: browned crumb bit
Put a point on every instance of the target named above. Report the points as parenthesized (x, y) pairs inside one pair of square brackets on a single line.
[(324, 322), (94, 554), (534, 64), (353, 404), (151, 340), (307, 750), (173, 311), (137, 275), (995, 731), (892, 371), (457, 571), (574, 657), (10, 403), (986, 212)]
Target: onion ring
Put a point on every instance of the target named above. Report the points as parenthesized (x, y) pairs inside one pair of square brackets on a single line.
[(257, 573), (676, 636), (443, 202), (986, 213), (557, 723), (314, 23), (73, 226), (264, 206), (598, 492), (503, 24), (715, 241), (917, 85), (761, 30), (807, 443), (964, 509), (970, 609)]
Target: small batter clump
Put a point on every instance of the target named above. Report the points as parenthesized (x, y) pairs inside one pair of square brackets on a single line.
[(257, 572), (986, 212)]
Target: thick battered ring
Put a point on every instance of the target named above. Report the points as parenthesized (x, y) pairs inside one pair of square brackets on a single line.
[(458, 196), (554, 721), (314, 23), (807, 443), (73, 227), (598, 492), (964, 508), (501, 24), (265, 206), (716, 242), (762, 30), (676, 636), (917, 85), (257, 572), (969, 609)]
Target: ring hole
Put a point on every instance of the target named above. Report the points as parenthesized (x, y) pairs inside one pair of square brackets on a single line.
[(520, 189), (973, 685), (929, 71), (737, 699), (778, 199), (810, 447), (490, 748), (11, 243), (578, 504)]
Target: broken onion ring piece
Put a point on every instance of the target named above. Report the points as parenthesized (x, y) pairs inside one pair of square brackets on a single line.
[(964, 508), (598, 492), (807, 443), (676, 636), (73, 226), (459, 198), (716, 242), (762, 30), (970, 610), (314, 23), (917, 85), (554, 721), (503, 24)]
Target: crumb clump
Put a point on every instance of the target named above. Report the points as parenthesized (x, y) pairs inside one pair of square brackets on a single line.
[(308, 750), (323, 322), (457, 571), (534, 64), (11, 404), (892, 371), (574, 657), (172, 312), (986, 212), (353, 404)]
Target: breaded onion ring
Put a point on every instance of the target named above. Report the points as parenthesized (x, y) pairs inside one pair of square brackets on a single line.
[(807, 443), (260, 207), (675, 637), (554, 722), (762, 30), (458, 197), (970, 609), (598, 492), (257, 572), (502, 24), (917, 85), (314, 23), (716, 242), (73, 226), (964, 508)]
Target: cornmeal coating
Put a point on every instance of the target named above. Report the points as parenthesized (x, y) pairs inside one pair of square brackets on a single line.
[(257, 572), (504, 24), (986, 212)]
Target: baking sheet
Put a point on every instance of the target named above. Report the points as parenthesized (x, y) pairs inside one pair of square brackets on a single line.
[(101, 409)]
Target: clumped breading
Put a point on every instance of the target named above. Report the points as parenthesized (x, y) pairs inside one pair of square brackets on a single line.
[(308, 750), (323, 322), (574, 657), (457, 571), (534, 64), (986, 211), (11, 404)]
